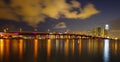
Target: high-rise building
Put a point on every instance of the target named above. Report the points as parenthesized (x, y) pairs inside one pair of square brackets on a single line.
[(98, 31), (106, 27), (107, 30)]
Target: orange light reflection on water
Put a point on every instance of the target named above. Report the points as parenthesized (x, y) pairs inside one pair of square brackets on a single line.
[(48, 48), (89, 46), (21, 48), (73, 46), (1, 48), (116, 47), (80, 45), (7, 48), (35, 48), (15, 46), (66, 47)]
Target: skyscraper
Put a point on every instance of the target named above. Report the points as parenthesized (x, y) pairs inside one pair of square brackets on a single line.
[(107, 30), (106, 27), (99, 31)]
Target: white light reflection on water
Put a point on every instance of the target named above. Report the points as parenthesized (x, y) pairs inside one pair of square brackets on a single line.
[(106, 50)]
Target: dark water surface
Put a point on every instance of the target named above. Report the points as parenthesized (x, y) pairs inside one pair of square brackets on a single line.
[(59, 50)]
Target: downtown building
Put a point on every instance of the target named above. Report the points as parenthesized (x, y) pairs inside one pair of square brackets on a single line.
[(98, 31)]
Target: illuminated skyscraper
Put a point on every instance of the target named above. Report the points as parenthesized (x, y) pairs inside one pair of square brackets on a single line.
[(106, 27), (107, 30), (99, 31)]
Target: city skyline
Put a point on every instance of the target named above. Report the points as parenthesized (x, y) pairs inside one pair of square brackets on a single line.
[(59, 30)]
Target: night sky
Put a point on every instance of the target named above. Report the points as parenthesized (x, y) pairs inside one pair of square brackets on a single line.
[(59, 15)]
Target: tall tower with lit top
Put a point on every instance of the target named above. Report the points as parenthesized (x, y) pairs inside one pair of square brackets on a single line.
[(106, 27), (107, 30)]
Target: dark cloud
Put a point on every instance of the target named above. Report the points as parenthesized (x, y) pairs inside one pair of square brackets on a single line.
[(7, 1)]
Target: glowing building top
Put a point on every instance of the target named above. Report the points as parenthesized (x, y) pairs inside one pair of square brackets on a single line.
[(106, 27)]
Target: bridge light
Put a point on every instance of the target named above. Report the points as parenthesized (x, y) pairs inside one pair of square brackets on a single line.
[(116, 38), (35, 29), (51, 33), (20, 29), (4, 30)]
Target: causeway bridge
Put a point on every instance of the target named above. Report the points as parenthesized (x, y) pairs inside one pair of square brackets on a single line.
[(46, 35)]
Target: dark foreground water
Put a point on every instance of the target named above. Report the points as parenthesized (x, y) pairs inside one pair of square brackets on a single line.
[(59, 50)]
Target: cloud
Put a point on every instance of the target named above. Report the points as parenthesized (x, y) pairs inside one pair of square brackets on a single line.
[(36, 11), (60, 25), (6, 13)]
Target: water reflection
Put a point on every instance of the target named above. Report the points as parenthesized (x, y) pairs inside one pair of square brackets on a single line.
[(89, 46), (106, 50), (61, 50), (7, 49), (66, 47), (1, 48), (21, 45), (73, 46), (35, 48), (115, 47), (48, 48), (95, 46), (15, 46), (57, 45), (80, 45)]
